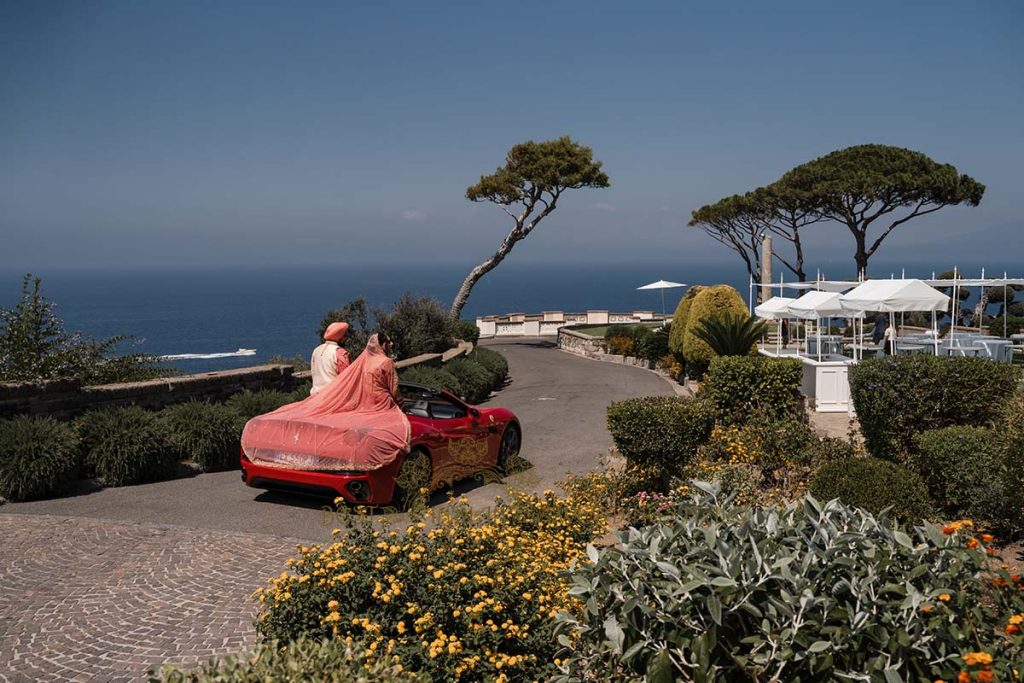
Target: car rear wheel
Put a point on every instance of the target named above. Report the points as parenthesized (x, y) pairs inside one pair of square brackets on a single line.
[(511, 441), (414, 474)]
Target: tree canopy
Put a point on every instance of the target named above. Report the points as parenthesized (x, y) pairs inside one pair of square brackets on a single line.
[(532, 180), (860, 185)]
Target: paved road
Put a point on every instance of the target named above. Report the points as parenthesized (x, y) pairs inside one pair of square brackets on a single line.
[(560, 399), (103, 585)]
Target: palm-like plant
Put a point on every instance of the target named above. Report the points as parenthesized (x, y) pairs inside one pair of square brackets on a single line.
[(730, 335)]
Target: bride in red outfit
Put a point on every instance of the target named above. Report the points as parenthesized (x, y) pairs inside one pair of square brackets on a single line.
[(353, 423)]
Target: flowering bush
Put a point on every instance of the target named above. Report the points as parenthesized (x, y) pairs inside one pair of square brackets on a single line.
[(811, 592), (901, 396), (457, 595)]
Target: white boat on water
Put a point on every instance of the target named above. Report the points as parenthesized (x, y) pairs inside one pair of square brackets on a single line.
[(207, 356)]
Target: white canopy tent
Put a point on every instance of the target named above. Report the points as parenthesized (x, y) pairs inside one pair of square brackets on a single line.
[(775, 308), (897, 296), (815, 306)]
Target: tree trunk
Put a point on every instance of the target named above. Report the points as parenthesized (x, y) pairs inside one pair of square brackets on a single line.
[(861, 257), (474, 276)]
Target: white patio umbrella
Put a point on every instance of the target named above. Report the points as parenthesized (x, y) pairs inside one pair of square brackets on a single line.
[(662, 285), (775, 308)]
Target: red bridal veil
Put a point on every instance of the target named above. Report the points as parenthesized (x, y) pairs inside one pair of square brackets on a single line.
[(351, 424)]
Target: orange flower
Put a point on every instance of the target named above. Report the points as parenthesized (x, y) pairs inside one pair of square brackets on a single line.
[(985, 677), (964, 677), (972, 543), (1012, 629), (973, 658), (988, 538), (926, 609), (944, 597)]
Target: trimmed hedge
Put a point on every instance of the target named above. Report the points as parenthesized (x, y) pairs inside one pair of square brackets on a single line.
[(207, 434), (438, 378), (466, 330), (38, 457), (679, 320), (874, 485), (744, 387), (970, 473), (249, 404), (476, 380), (134, 448), (898, 397), (660, 431), (330, 660), (493, 361), (709, 302)]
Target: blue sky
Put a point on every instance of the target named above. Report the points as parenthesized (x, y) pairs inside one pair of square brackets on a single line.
[(252, 132)]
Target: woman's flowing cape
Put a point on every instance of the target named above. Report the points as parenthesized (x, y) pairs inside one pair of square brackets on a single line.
[(351, 424)]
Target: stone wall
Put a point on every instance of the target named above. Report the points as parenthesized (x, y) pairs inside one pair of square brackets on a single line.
[(593, 347), (67, 398), (549, 323)]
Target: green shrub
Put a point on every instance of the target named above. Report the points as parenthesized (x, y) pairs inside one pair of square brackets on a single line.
[(970, 474), (207, 434), (429, 592), (680, 319), (134, 448), (301, 392), (660, 431), (437, 378), (327, 661), (730, 334), (898, 397), (742, 387), (710, 302), (654, 346), (417, 325), (476, 380), (249, 404), (357, 314), (808, 592), (493, 361), (466, 330), (874, 485), (38, 457)]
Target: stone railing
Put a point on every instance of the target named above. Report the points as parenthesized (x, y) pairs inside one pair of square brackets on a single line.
[(593, 347), (67, 398), (549, 323)]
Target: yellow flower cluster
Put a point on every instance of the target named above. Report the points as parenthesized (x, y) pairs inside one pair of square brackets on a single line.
[(457, 594)]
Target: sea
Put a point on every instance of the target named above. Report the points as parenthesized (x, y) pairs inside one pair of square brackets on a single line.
[(205, 312)]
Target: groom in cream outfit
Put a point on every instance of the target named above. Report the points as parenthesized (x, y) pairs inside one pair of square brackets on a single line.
[(330, 358)]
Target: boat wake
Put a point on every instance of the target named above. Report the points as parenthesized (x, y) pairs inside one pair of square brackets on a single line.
[(206, 356)]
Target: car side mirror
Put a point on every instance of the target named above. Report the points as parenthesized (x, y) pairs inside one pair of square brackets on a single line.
[(474, 412)]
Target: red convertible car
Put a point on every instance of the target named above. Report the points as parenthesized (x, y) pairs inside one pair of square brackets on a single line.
[(450, 439)]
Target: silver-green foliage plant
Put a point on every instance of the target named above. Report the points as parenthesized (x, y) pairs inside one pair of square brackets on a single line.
[(809, 592)]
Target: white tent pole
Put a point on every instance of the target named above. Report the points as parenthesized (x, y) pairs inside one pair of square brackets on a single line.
[(1006, 308), (750, 295), (956, 300), (935, 331), (981, 311)]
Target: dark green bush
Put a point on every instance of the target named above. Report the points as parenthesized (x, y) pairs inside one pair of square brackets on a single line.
[(970, 473), (898, 397), (133, 450), (493, 361), (476, 380), (249, 404), (357, 314), (742, 387), (417, 325), (660, 431), (654, 346), (435, 377), (207, 434), (38, 457), (466, 330), (874, 485), (331, 660)]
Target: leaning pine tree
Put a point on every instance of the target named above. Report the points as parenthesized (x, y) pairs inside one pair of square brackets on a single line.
[(532, 180)]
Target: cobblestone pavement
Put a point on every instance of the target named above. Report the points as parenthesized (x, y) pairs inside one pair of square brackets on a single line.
[(89, 600)]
